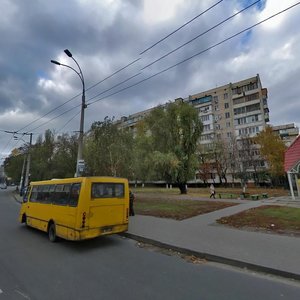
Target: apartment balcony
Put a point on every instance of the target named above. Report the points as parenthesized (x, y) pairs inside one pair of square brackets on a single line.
[(267, 117), (247, 103)]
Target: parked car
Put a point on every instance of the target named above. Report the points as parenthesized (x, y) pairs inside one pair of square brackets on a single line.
[(3, 185)]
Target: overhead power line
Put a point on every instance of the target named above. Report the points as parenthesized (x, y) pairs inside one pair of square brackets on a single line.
[(181, 62), (197, 54), (201, 34), (54, 109), (193, 19), (69, 121), (121, 69), (65, 112)]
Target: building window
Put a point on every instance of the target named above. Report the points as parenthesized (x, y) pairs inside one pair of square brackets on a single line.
[(216, 107), (225, 95), (227, 124), (238, 100), (227, 115), (226, 105), (206, 127), (246, 109), (215, 98), (204, 118), (229, 134), (252, 97)]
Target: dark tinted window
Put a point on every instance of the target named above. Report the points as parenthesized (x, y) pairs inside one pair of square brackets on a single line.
[(107, 190), (74, 195), (43, 194), (34, 194), (60, 196)]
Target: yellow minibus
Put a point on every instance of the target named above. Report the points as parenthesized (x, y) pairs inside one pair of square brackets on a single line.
[(77, 208)]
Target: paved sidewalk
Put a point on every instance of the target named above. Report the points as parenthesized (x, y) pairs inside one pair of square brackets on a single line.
[(201, 236)]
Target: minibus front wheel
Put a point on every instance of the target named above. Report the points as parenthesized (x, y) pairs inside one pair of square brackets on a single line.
[(52, 232), (24, 219)]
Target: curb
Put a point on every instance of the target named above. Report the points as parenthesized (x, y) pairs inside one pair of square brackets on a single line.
[(216, 258), (16, 199)]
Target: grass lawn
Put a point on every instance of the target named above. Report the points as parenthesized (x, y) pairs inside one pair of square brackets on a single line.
[(204, 192), (280, 219), (170, 204), (168, 207)]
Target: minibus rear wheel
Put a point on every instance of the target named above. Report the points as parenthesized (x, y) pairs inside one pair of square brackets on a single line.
[(52, 232)]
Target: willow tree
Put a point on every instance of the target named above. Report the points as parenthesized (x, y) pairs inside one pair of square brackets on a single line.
[(173, 132)]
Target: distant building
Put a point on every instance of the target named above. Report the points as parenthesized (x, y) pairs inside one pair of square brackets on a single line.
[(288, 132), (235, 111)]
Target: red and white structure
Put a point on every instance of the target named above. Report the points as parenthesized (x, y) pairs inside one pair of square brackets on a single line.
[(292, 165)]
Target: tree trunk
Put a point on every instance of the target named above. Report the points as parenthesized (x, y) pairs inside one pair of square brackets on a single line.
[(182, 188)]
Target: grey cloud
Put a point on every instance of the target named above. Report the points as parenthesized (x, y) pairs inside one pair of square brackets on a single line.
[(106, 38)]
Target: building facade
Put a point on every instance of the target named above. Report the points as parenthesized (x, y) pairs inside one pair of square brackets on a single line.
[(234, 111), (288, 132), (237, 110)]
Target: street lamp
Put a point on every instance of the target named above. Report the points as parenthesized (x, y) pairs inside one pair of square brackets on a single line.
[(80, 161)]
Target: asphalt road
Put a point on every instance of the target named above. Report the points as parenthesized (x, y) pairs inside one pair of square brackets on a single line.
[(114, 268)]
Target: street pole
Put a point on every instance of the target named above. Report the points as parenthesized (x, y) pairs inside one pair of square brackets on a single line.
[(24, 181), (80, 165), (80, 161), (28, 162), (21, 186)]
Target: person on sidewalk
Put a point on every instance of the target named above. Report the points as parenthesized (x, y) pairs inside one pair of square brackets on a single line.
[(212, 191), (131, 200)]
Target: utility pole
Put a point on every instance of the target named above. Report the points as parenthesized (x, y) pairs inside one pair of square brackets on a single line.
[(21, 186), (24, 177), (28, 162)]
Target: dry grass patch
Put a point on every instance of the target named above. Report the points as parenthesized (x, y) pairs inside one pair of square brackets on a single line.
[(167, 207), (272, 218)]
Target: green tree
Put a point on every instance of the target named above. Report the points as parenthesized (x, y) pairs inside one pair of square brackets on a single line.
[(41, 157), (108, 150), (13, 164), (64, 156), (173, 132)]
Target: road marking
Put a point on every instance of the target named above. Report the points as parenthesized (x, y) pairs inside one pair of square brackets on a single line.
[(1, 291)]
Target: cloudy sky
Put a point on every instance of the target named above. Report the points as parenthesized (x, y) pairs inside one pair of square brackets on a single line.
[(105, 36)]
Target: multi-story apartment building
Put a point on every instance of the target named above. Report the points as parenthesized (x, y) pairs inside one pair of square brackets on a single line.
[(235, 110), (288, 132)]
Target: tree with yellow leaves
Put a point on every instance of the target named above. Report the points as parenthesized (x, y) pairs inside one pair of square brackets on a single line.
[(272, 150)]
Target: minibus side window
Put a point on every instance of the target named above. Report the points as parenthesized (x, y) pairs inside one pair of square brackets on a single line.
[(61, 194), (74, 194), (43, 194), (107, 190), (34, 194)]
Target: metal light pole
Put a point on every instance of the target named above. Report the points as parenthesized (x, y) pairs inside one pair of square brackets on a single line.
[(28, 163), (24, 181), (80, 162)]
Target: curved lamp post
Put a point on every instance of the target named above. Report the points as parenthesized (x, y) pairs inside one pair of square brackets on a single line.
[(80, 161)]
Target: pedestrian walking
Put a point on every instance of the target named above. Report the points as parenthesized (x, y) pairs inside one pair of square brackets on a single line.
[(212, 191), (131, 200)]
